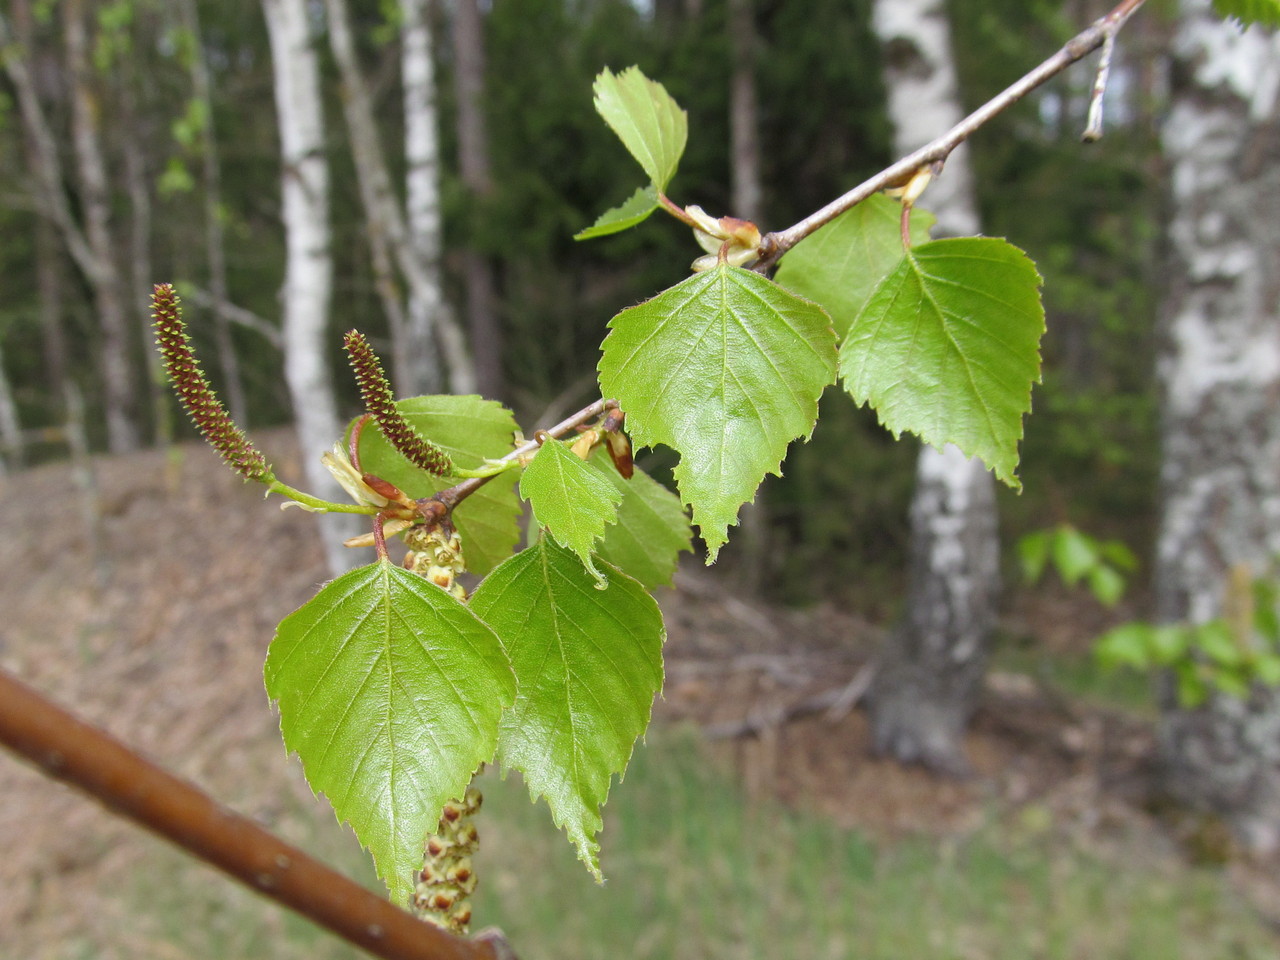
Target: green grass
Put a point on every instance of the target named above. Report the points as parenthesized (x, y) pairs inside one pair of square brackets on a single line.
[(697, 873)]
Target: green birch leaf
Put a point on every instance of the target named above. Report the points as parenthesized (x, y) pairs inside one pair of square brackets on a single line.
[(648, 122), (1250, 11), (725, 367), (635, 210), (948, 347), (469, 429), (588, 664), (390, 692), (841, 265), (571, 499), (652, 527)]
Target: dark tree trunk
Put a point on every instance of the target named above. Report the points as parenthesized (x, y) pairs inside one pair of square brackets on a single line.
[(473, 162), (931, 668)]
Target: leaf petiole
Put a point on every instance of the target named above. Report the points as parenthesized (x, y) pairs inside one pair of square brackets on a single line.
[(317, 505)]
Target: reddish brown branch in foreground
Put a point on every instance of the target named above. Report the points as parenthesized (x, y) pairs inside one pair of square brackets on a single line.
[(774, 245), (72, 751)]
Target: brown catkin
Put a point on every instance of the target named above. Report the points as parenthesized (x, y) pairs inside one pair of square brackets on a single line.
[(197, 397), (375, 391)]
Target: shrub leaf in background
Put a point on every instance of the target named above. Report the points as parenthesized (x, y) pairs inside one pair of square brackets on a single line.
[(841, 265), (652, 528), (390, 692), (572, 499), (588, 664), (470, 429), (947, 347), (726, 368)]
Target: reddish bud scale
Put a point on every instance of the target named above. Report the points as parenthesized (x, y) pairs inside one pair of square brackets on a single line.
[(620, 453), (193, 390), (443, 888), (375, 391)]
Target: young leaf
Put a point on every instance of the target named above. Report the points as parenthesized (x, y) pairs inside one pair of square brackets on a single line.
[(1266, 667), (390, 693), (635, 210), (726, 367), (589, 663), (1232, 681), (840, 265), (648, 122), (1192, 691), (1170, 642), (1106, 584), (469, 429), (1250, 11), (1074, 554), (1033, 552), (1128, 645), (571, 499), (652, 527), (1218, 642), (948, 347)]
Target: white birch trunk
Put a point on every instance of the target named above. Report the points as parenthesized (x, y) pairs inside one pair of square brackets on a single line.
[(1220, 370), (428, 313), (423, 332), (930, 672), (308, 282), (119, 381), (10, 428)]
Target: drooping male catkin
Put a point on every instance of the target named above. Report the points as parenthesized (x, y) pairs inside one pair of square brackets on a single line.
[(197, 397), (375, 391)]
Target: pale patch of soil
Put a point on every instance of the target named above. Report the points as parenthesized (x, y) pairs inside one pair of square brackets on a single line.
[(160, 635)]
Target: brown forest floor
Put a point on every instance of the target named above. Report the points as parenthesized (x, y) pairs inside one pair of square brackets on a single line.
[(160, 638)]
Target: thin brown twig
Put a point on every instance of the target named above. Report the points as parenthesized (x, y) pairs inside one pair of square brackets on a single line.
[(774, 245), (1115, 20), (459, 492), (74, 752)]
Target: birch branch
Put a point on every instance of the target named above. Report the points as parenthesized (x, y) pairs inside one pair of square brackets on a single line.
[(774, 245)]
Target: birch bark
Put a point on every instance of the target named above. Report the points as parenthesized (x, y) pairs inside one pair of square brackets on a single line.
[(10, 428), (308, 282), (1220, 370), (930, 670), (428, 310), (423, 331), (119, 379)]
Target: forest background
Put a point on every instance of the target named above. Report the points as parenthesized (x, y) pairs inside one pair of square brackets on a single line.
[(1091, 216)]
